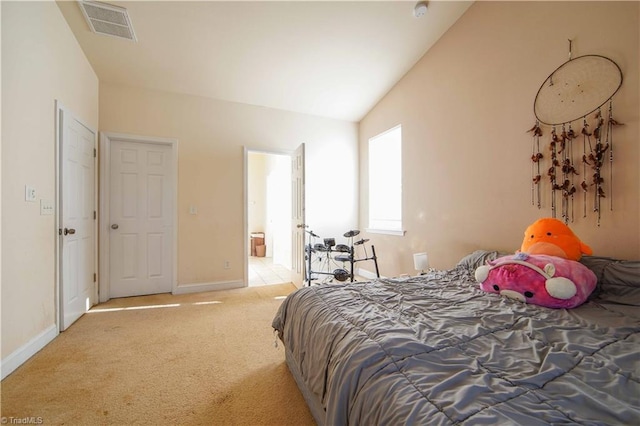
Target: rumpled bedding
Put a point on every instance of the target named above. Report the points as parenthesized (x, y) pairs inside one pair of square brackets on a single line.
[(437, 350)]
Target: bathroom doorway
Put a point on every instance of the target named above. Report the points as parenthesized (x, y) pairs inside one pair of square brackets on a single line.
[(268, 218)]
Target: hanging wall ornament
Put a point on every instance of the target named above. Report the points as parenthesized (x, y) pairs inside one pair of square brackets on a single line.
[(568, 167), (568, 172), (536, 159), (609, 141), (576, 89), (597, 160), (573, 92), (586, 141)]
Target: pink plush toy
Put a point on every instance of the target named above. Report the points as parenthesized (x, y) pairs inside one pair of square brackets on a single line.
[(540, 279)]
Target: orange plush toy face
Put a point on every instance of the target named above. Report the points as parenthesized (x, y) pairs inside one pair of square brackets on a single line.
[(554, 238)]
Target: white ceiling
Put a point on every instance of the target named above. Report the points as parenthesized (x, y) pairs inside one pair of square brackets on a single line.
[(333, 59)]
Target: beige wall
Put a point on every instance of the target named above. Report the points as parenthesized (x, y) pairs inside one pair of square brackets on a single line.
[(465, 108), (41, 62), (211, 137)]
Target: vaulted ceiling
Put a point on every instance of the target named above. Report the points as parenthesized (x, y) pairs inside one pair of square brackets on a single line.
[(333, 59)]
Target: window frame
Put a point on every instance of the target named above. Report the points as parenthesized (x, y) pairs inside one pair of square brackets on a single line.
[(399, 231)]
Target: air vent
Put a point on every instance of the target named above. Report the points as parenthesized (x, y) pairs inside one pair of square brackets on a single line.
[(107, 19)]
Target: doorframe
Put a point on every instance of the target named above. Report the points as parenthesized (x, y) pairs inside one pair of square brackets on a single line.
[(105, 204), (62, 113), (245, 196)]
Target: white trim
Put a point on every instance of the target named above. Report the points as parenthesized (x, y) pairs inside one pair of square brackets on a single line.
[(105, 178), (103, 267), (245, 216), (386, 231), (366, 274), (57, 221), (399, 220), (200, 287), (29, 349), (245, 195)]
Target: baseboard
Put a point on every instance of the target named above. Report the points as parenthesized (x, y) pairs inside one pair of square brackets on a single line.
[(200, 287), (366, 274), (29, 349)]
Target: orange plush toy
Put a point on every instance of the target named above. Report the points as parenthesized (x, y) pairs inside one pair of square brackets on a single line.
[(545, 271), (552, 237)]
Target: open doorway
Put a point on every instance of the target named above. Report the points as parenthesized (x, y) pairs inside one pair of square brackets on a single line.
[(268, 218)]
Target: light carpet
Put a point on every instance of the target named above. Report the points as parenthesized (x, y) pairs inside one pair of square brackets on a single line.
[(198, 359)]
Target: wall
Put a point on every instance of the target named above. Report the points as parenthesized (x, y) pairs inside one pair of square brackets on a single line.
[(465, 109), (211, 137), (41, 62)]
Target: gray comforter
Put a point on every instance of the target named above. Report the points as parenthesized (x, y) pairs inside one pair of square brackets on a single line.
[(437, 350)]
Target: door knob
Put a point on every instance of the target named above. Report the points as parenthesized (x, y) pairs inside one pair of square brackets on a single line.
[(114, 226), (69, 231)]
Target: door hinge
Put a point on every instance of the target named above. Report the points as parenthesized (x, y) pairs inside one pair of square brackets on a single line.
[(94, 215), (94, 277), (95, 153)]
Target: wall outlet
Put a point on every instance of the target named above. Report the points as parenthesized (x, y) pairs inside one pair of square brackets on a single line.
[(227, 264), (29, 193), (46, 207)]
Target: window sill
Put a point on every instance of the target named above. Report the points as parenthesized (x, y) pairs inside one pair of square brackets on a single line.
[(386, 232)]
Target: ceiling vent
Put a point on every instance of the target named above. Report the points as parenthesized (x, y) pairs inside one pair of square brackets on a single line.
[(107, 19)]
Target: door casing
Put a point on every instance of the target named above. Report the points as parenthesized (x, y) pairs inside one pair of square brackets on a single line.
[(104, 220), (245, 247)]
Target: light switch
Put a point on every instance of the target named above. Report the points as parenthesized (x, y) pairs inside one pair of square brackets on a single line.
[(193, 210), (46, 207), (29, 193)]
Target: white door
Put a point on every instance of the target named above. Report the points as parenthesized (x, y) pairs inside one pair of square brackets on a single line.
[(297, 217), (141, 203), (77, 213)]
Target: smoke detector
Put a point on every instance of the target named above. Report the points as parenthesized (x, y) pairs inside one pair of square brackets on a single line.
[(107, 19), (420, 9)]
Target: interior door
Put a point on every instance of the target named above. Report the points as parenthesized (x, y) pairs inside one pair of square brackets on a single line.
[(297, 217), (77, 224), (141, 218)]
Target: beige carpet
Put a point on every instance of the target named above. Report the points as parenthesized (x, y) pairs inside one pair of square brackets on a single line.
[(200, 359)]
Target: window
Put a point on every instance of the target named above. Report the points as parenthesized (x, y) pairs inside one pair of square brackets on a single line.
[(385, 182)]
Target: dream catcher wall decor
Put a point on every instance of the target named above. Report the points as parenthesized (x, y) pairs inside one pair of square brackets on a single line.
[(580, 136)]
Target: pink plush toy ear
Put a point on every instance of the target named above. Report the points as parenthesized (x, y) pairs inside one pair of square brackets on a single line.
[(543, 280)]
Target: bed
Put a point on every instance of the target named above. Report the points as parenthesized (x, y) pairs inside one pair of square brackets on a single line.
[(435, 349)]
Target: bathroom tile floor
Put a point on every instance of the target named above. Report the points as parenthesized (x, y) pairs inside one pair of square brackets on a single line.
[(262, 271)]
